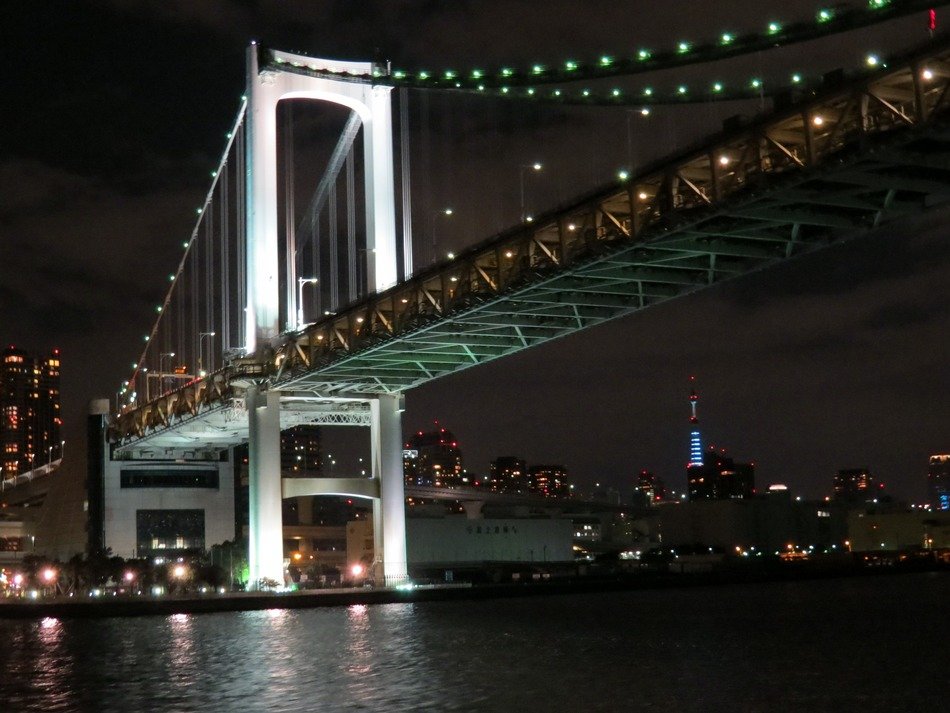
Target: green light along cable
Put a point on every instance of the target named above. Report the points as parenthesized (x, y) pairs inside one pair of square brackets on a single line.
[(826, 21)]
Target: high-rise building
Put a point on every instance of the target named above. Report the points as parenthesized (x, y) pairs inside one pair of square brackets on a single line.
[(508, 474), (721, 478), (30, 407), (652, 489), (433, 459), (938, 482), (855, 485), (300, 453), (548, 480)]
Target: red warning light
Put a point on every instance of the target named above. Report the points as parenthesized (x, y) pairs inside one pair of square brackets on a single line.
[(932, 20)]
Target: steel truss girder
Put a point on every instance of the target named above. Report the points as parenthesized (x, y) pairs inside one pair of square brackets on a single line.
[(744, 200)]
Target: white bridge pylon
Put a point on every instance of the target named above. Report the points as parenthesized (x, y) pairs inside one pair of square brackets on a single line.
[(265, 89), (373, 105)]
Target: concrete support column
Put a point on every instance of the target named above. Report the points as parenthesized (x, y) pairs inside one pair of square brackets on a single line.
[(262, 321), (389, 511), (382, 272), (265, 552)]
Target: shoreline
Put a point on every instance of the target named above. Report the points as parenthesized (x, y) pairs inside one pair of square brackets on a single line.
[(147, 605)]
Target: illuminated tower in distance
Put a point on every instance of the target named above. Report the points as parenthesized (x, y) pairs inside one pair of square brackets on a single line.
[(698, 483), (695, 442)]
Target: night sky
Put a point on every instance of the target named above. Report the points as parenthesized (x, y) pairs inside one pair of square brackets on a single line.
[(114, 112)]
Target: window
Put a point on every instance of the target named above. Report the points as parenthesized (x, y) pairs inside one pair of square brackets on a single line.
[(169, 478), (158, 531)]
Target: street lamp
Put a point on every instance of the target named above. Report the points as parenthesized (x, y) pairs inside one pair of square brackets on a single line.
[(201, 338), (161, 360), (523, 168), (62, 449), (301, 281), (432, 228), (161, 369)]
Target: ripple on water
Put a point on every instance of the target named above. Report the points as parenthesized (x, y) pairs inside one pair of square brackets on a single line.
[(793, 646)]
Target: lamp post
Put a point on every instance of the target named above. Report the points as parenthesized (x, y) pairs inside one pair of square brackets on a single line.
[(432, 228), (49, 459), (161, 369), (62, 449), (522, 169), (201, 338), (301, 281)]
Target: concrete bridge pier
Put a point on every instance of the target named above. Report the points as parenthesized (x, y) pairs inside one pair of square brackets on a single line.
[(389, 510), (265, 546)]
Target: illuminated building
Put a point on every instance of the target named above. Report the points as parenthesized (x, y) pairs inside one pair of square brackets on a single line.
[(155, 507), (938, 482), (855, 485), (433, 459), (721, 478), (548, 480), (30, 407), (652, 488), (300, 457), (300, 453), (509, 474)]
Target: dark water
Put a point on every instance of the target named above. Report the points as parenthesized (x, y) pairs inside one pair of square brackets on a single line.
[(844, 645)]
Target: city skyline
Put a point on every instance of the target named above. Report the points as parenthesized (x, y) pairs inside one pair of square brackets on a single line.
[(835, 359)]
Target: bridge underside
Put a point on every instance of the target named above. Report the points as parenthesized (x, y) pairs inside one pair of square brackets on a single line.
[(835, 167), (856, 158), (614, 273), (216, 427)]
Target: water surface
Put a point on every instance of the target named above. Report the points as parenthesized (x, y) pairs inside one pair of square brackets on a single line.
[(869, 644)]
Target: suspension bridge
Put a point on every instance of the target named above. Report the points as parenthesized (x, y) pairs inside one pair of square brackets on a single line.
[(277, 317)]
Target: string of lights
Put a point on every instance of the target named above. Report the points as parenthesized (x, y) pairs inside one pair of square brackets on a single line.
[(646, 96), (827, 21)]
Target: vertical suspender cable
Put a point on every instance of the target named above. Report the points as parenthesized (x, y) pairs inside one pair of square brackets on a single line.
[(193, 297), (426, 162), (180, 310), (352, 255), (241, 235), (317, 263), (209, 286), (225, 261), (334, 236)]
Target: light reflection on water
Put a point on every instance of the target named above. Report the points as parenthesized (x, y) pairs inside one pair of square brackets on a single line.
[(816, 646)]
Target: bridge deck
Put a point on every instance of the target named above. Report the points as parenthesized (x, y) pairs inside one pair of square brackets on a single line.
[(839, 165)]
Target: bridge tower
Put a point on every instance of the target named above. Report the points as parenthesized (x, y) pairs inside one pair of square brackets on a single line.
[(273, 76)]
